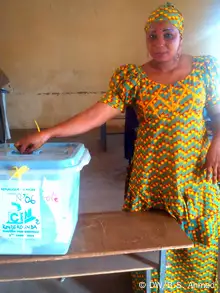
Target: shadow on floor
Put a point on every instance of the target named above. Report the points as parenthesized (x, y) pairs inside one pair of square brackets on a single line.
[(112, 283)]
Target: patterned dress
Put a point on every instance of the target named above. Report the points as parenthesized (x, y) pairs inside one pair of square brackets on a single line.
[(167, 174)]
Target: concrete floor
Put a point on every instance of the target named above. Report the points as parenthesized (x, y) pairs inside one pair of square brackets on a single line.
[(102, 187)]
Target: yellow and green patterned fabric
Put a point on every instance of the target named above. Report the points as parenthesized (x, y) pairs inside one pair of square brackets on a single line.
[(166, 173), (167, 12)]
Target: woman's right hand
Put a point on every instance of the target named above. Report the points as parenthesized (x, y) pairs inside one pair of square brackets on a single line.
[(32, 142)]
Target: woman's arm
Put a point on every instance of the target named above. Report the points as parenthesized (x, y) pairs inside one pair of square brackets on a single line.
[(83, 122), (122, 91)]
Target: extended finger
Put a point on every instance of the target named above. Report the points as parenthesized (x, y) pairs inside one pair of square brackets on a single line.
[(218, 173), (214, 174), (208, 173), (17, 144)]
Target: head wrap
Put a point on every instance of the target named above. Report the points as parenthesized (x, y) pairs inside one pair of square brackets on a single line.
[(167, 12)]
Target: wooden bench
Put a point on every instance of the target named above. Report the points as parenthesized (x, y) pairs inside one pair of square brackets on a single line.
[(106, 243)]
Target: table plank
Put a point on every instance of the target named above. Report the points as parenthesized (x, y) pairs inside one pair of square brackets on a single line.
[(125, 232), (79, 267), (115, 233)]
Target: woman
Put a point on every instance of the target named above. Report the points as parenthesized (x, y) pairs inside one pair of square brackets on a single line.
[(174, 167)]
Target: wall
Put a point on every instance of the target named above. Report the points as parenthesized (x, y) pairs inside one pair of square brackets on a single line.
[(60, 54)]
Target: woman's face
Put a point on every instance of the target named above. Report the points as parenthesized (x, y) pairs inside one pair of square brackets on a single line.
[(163, 41)]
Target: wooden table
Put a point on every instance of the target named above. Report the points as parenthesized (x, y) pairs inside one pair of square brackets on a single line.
[(105, 243)]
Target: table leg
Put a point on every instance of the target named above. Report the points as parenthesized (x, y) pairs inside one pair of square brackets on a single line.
[(103, 137), (162, 270), (148, 281)]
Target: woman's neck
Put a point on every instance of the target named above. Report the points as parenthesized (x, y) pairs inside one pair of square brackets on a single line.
[(168, 66)]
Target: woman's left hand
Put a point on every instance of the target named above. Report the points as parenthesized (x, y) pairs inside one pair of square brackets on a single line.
[(212, 163)]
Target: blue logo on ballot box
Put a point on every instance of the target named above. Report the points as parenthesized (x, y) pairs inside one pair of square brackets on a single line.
[(19, 216), (21, 223)]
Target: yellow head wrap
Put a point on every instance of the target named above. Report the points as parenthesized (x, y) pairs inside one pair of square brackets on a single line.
[(167, 12)]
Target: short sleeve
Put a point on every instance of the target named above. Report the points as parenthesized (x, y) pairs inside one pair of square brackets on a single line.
[(123, 88), (212, 83)]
